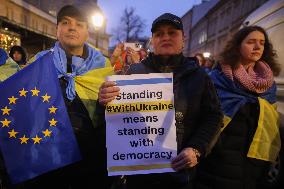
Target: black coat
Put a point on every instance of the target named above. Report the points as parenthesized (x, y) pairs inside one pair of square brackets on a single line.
[(198, 114), (228, 166)]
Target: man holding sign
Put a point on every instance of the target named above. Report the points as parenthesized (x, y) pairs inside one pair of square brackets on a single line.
[(197, 110)]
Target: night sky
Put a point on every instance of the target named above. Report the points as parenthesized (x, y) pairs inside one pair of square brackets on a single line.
[(146, 9)]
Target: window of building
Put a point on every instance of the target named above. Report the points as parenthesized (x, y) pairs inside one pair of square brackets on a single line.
[(10, 14), (24, 19), (33, 23), (8, 39), (36, 25), (222, 20), (202, 37), (44, 28), (228, 15), (236, 11), (212, 25)]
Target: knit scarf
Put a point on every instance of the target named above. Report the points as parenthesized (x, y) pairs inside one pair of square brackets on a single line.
[(257, 78)]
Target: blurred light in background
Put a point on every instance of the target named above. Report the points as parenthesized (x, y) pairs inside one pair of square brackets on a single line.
[(97, 20), (206, 54)]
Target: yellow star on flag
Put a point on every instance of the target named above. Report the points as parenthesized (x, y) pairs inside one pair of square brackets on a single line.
[(45, 98), (12, 100), (24, 139), (6, 110), (52, 110), (47, 133), (52, 122), (12, 133), (23, 92), (5, 123), (35, 92), (37, 139)]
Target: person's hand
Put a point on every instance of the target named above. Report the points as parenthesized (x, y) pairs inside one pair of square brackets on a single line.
[(118, 50), (107, 92), (117, 53), (185, 159), (134, 56)]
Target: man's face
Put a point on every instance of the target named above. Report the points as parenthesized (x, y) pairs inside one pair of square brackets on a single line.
[(167, 40), (72, 33)]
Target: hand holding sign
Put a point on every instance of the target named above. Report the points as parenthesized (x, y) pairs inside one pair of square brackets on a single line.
[(141, 134), (108, 92)]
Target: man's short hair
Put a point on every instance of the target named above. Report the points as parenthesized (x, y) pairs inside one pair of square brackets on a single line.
[(167, 18), (72, 11)]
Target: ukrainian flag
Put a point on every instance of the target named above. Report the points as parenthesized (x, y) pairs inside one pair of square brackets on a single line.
[(87, 85), (266, 142)]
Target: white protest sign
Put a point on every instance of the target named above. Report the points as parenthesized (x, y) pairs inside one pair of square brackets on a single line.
[(140, 125)]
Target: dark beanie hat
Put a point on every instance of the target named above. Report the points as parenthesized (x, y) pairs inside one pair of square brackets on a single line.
[(167, 18), (72, 11)]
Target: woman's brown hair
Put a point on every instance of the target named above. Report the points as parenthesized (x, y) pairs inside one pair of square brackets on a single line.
[(231, 53), (202, 59)]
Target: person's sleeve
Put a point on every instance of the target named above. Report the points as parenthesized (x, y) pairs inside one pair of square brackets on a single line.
[(210, 122), (8, 69), (100, 113)]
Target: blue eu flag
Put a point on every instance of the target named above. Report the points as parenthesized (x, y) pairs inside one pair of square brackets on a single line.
[(35, 131)]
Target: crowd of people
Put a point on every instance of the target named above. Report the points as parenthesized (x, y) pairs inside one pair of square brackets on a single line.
[(227, 133), (122, 57), (207, 63)]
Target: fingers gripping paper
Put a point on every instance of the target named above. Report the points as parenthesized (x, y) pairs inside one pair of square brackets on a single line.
[(141, 134)]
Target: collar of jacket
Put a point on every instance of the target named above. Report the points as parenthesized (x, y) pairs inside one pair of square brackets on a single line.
[(176, 63)]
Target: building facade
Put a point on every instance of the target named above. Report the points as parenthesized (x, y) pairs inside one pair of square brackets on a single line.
[(191, 18), (211, 32), (187, 20), (23, 24)]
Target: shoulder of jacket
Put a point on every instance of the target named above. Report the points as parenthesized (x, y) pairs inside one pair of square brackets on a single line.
[(191, 59), (191, 66), (140, 68)]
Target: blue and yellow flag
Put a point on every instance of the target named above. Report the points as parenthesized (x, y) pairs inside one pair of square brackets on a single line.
[(232, 97), (35, 131), (88, 75), (266, 141)]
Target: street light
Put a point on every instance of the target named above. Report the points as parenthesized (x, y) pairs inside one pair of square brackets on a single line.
[(98, 21), (206, 54)]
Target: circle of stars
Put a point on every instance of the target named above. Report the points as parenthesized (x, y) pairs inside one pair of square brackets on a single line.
[(6, 122)]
